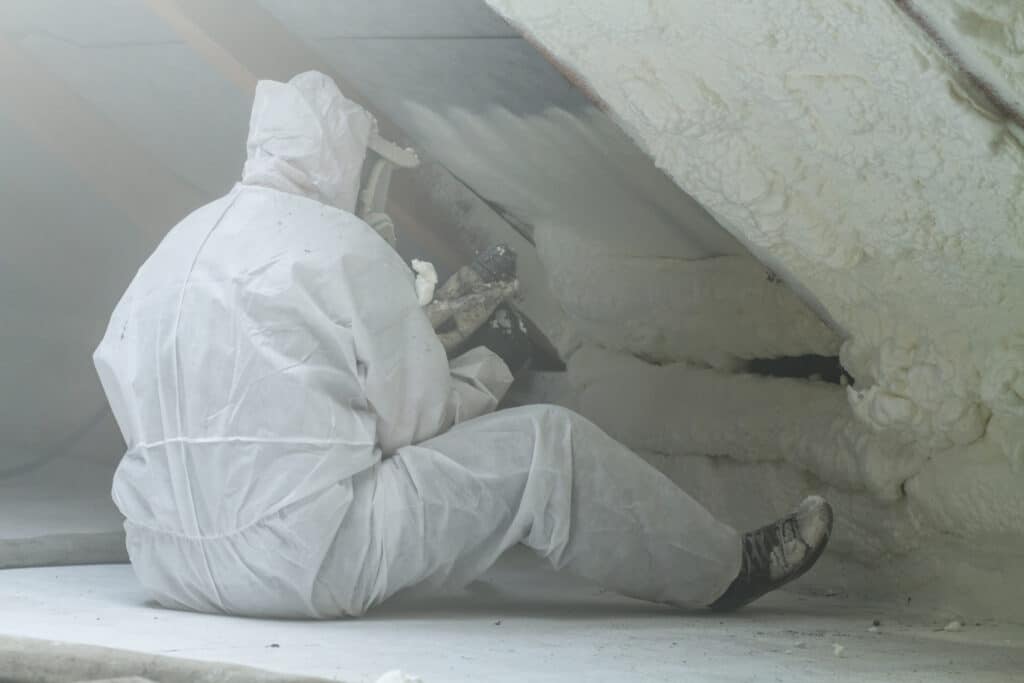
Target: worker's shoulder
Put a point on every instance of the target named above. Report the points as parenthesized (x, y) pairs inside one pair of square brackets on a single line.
[(295, 221), (257, 232)]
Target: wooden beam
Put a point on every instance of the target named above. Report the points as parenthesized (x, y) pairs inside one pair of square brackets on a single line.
[(225, 63), (41, 103), (245, 43)]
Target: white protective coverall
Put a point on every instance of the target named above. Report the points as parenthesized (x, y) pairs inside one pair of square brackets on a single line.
[(298, 444)]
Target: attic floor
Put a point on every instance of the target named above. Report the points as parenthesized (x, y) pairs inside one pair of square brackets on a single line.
[(523, 623)]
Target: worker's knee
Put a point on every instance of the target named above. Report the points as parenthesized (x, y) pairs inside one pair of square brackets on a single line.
[(554, 418), (550, 413)]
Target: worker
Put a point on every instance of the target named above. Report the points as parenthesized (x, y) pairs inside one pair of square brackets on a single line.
[(299, 444)]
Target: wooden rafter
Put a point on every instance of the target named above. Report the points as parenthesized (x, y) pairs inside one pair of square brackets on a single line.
[(49, 110)]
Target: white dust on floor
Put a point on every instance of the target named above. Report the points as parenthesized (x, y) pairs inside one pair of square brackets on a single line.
[(524, 623)]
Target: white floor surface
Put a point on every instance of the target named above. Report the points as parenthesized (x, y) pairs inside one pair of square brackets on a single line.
[(524, 623)]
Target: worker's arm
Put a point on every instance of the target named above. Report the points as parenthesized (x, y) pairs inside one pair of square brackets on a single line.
[(480, 380), (402, 367)]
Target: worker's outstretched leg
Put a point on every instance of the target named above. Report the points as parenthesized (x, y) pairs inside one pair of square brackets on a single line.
[(442, 512)]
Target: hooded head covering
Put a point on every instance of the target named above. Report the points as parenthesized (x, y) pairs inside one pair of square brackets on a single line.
[(306, 138)]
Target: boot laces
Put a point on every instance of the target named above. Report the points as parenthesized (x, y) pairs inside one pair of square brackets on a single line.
[(767, 547)]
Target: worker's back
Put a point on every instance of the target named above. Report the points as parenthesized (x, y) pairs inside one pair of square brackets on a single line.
[(267, 351), (228, 354)]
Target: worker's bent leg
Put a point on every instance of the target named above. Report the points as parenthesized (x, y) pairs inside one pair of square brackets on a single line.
[(442, 512)]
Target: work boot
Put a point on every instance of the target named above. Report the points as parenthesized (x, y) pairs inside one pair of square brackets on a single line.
[(778, 553)]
